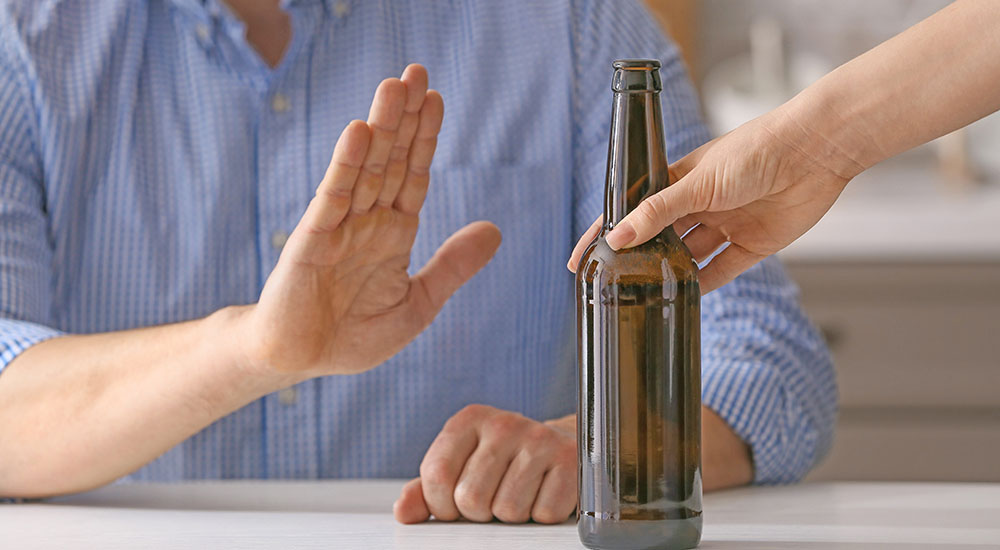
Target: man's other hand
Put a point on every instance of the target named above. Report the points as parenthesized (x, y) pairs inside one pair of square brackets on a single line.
[(487, 463)]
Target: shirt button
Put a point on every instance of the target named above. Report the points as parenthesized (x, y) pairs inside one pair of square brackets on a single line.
[(280, 103), (202, 32), (288, 396), (341, 8), (278, 239)]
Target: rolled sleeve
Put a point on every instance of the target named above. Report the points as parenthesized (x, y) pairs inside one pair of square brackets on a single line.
[(17, 336), (768, 374), (25, 251)]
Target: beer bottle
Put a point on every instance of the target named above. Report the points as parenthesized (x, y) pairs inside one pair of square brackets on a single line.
[(639, 409)]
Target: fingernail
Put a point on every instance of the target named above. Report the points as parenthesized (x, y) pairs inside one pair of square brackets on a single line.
[(621, 235), (569, 265)]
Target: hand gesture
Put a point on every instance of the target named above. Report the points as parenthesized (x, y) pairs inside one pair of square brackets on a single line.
[(340, 299), (487, 463)]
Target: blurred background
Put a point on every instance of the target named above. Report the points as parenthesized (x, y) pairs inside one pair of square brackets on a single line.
[(903, 275)]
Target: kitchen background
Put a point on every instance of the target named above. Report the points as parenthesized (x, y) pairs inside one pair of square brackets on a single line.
[(903, 275)]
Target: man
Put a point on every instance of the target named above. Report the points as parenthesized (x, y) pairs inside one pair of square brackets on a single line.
[(155, 157)]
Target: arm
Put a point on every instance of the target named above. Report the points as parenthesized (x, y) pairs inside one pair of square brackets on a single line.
[(766, 183), (80, 411)]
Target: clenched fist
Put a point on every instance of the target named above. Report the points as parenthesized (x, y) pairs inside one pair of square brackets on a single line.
[(487, 463)]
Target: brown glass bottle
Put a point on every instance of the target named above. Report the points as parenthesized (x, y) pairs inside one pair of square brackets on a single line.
[(639, 412)]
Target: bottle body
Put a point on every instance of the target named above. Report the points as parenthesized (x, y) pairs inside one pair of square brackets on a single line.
[(639, 416), (638, 332)]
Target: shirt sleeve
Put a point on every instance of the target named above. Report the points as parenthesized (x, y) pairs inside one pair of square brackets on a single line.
[(765, 369), (25, 252)]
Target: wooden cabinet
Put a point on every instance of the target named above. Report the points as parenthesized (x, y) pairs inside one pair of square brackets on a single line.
[(916, 347)]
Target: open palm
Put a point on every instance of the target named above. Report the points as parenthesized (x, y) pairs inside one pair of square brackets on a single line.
[(340, 299)]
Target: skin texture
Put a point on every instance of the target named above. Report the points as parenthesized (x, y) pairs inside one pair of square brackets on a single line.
[(766, 183)]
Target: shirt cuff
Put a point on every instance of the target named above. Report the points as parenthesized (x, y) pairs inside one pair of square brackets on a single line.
[(17, 336), (753, 400)]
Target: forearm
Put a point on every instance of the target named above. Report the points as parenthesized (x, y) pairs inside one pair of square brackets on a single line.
[(725, 457), (80, 411), (934, 78)]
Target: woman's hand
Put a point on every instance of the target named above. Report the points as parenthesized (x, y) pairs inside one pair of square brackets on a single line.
[(753, 188)]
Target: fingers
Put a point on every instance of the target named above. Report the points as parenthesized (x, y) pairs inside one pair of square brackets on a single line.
[(516, 493), (333, 196), (498, 438), (557, 497), (726, 266), (703, 241), (415, 79), (581, 245), (414, 188), (520, 469), (445, 461), (410, 506), (384, 120), (458, 259), (684, 224), (656, 212)]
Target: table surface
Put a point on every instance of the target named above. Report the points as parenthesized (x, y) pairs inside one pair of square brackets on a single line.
[(357, 515)]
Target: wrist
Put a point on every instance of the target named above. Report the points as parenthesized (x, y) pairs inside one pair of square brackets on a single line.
[(230, 331), (821, 126)]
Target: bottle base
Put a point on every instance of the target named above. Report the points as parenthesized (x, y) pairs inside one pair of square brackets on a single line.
[(663, 534)]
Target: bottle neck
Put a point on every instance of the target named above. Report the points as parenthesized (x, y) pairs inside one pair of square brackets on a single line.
[(637, 161)]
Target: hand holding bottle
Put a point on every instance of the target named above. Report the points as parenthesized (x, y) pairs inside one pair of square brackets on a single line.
[(752, 188), (766, 183)]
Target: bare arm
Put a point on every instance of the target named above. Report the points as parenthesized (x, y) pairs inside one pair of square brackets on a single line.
[(766, 183), (79, 411)]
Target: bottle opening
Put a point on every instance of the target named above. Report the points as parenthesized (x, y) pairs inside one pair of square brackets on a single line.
[(636, 75), (636, 64)]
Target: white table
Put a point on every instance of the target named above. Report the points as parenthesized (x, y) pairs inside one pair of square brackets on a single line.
[(357, 515)]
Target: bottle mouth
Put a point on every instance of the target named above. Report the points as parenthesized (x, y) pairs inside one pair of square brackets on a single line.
[(636, 64), (636, 76)]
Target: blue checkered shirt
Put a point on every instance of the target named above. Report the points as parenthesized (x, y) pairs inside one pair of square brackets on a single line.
[(151, 166)]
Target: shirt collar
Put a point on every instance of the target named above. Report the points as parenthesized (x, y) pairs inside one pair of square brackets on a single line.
[(205, 9)]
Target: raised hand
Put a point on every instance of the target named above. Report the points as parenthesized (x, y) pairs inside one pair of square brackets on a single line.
[(340, 299), (752, 188), (487, 463)]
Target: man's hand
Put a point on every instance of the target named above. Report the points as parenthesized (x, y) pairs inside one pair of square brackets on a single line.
[(340, 299), (487, 463)]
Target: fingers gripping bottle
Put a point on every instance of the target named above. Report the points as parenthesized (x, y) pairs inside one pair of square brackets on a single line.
[(638, 331)]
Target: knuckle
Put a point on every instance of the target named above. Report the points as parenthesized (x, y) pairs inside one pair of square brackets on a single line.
[(473, 502), (539, 436), (437, 471), (470, 413), (508, 511), (545, 513), (505, 425)]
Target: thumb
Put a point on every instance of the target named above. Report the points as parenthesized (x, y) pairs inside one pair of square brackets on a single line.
[(664, 208), (659, 211), (410, 507), (458, 259)]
